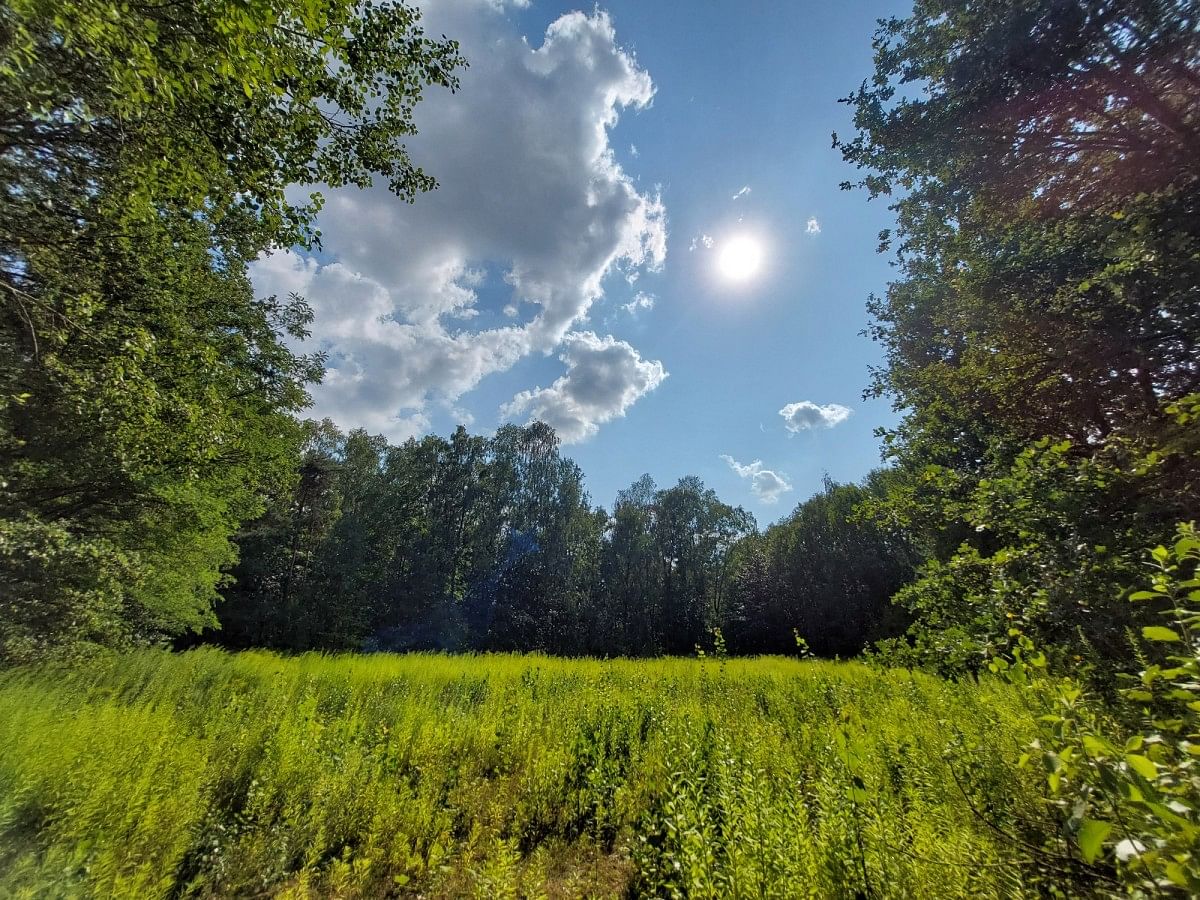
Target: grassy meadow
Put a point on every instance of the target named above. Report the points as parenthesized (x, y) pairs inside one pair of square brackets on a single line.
[(214, 774)]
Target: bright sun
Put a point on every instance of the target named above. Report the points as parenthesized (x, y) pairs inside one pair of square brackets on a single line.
[(739, 258)]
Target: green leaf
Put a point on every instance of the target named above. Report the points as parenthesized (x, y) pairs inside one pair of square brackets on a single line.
[(1094, 746), (1185, 545), (1144, 595), (1169, 816), (1143, 766), (1160, 633), (1091, 837), (1175, 872)]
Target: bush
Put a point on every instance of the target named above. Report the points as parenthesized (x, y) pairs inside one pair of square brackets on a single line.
[(1125, 780)]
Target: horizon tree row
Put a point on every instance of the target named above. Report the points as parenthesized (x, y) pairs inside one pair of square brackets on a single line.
[(482, 543)]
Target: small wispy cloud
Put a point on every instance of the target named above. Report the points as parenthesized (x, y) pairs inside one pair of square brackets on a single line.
[(633, 150), (812, 226), (766, 484), (743, 192), (806, 415), (641, 300), (702, 240)]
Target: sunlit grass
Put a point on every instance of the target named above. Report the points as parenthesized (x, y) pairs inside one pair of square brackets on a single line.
[(206, 773)]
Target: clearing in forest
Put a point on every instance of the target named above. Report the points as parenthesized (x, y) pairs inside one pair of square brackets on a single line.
[(214, 774)]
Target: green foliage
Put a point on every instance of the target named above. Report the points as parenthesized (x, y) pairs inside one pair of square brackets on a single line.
[(491, 543), (482, 543), (160, 400), (692, 535), (213, 106), (1125, 779), (825, 571), (208, 774), (146, 395), (1052, 538), (470, 541), (1042, 330), (90, 583)]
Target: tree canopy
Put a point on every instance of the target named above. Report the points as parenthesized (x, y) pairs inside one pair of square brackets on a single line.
[(1042, 157), (146, 395), (481, 543)]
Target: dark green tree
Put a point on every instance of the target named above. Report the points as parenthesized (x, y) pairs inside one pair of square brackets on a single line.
[(1042, 157), (146, 395), (693, 536), (826, 572), (534, 599), (282, 552), (630, 571)]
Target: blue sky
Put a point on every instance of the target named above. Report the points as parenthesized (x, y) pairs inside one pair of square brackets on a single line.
[(582, 164)]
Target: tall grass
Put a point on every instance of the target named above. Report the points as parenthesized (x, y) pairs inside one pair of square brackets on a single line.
[(213, 774)]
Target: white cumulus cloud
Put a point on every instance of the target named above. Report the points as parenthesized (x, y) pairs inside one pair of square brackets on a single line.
[(604, 378), (767, 485), (812, 226), (806, 415), (531, 195)]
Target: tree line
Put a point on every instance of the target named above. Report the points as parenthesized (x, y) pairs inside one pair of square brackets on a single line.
[(491, 543)]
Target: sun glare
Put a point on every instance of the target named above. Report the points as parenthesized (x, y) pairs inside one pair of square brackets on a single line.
[(739, 258)]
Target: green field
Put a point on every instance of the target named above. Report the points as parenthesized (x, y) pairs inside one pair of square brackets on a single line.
[(211, 774)]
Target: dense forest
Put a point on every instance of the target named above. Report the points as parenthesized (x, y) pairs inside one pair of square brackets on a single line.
[(162, 487), (490, 543)]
